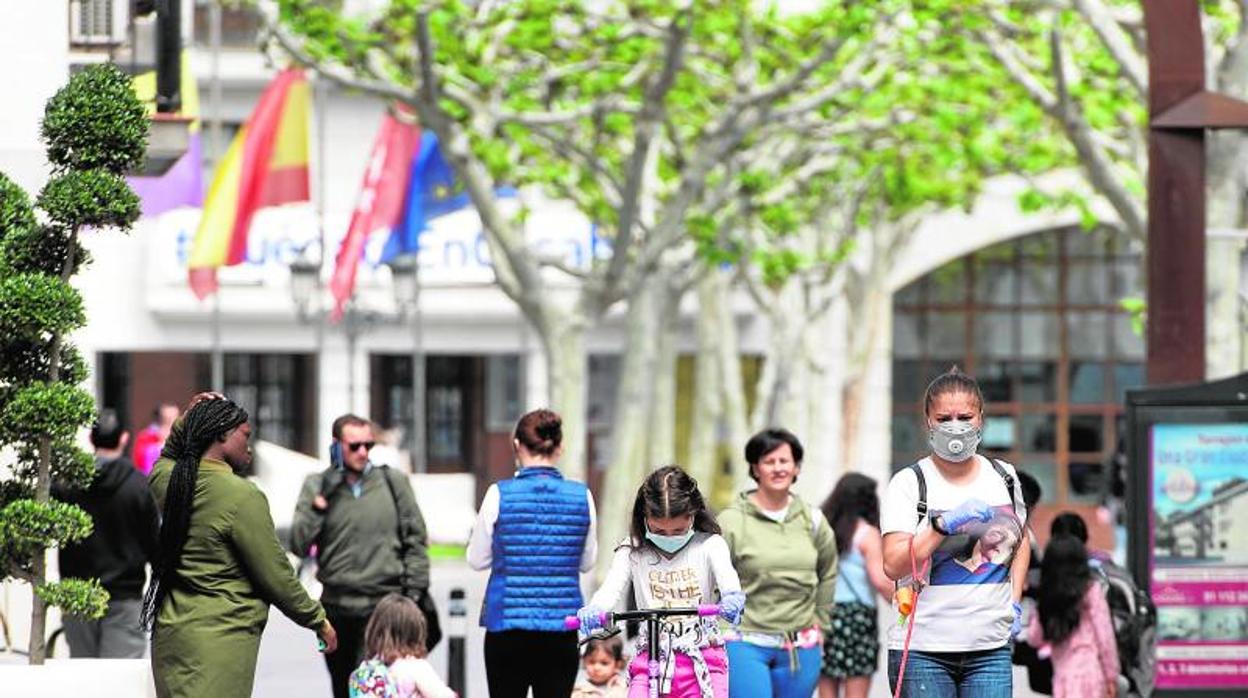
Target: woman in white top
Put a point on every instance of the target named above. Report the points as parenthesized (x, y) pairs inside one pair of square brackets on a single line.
[(949, 510)]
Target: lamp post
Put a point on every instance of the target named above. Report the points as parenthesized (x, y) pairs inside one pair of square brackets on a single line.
[(306, 292), (404, 271)]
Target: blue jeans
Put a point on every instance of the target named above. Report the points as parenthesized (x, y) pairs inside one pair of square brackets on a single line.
[(979, 674), (757, 672)]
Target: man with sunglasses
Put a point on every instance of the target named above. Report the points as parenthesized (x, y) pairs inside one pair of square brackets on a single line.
[(369, 537)]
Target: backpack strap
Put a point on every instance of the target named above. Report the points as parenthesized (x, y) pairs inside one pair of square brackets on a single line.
[(921, 505), (1009, 480), (398, 514)]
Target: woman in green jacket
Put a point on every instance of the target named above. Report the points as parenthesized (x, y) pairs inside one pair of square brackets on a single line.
[(785, 554), (219, 564)]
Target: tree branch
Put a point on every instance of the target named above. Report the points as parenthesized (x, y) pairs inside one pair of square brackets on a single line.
[(1009, 58), (1130, 64), (1099, 166), (653, 113)]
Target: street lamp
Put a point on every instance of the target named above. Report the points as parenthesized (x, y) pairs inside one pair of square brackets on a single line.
[(404, 273), (306, 293), (305, 280)]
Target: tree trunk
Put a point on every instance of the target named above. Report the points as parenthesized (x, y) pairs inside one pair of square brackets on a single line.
[(732, 383), (662, 410), (1224, 333), (563, 339), (634, 403), (708, 407)]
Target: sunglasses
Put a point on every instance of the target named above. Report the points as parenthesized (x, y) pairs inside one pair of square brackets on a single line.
[(356, 445)]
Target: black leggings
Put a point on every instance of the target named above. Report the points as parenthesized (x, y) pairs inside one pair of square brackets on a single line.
[(516, 660), (350, 628)]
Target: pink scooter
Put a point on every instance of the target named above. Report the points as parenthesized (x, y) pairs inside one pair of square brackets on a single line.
[(653, 618)]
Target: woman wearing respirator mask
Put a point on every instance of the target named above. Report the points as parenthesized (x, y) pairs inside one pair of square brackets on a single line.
[(957, 641)]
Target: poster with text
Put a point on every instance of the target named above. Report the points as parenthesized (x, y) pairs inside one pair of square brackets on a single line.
[(1200, 554)]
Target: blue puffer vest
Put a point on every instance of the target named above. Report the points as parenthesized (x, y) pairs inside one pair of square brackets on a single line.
[(538, 539)]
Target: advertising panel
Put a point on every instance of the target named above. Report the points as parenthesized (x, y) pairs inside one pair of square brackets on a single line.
[(1199, 541)]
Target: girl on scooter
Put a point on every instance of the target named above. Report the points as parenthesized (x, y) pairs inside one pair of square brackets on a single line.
[(674, 557)]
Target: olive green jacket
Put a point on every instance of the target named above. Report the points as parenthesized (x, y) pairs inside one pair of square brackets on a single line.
[(360, 554), (207, 632), (787, 569)]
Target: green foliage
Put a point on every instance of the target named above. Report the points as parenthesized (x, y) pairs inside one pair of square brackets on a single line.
[(90, 198), (72, 467), (95, 122), (43, 249), (95, 129), (76, 597), (34, 307), (15, 211), (27, 526), (54, 410), (1138, 308)]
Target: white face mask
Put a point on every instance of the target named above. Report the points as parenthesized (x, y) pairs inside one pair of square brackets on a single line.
[(955, 440)]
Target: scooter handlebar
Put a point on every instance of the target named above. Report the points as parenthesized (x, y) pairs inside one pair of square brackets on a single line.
[(706, 609)]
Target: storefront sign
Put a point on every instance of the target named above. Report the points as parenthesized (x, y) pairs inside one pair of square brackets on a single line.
[(453, 250)]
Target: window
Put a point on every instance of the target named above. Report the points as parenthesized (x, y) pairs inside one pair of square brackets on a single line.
[(504, 391), (1037, 321), (273, 390), (240, 25)]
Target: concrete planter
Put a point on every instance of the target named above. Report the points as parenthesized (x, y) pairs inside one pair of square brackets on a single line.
[(99, 678)]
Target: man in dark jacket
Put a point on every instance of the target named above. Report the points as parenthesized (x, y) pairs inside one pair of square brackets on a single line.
[(124, 539), (369, 536)]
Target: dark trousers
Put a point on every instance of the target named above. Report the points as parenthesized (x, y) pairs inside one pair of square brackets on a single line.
[(516, 660), (350, 628)]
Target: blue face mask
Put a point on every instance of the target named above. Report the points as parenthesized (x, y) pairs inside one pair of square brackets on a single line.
[(669, 544)]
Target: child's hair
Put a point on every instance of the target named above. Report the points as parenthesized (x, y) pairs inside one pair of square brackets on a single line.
[(395, 630), (951, 382), (853, 498), (613, 646), (1064, 579), (1068, 523), (667, 493)]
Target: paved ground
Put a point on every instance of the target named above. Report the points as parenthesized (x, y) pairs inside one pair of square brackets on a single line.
[(291, 666)]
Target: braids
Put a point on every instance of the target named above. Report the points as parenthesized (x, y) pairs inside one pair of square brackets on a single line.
[(190, 437)]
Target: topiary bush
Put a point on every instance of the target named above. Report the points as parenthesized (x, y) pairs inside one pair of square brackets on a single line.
[(95, 130)]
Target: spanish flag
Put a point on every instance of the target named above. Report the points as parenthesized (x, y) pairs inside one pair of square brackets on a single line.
[(266, 165)]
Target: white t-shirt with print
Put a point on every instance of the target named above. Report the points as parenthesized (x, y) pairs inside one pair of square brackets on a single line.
[(698, 573), (966, 604)]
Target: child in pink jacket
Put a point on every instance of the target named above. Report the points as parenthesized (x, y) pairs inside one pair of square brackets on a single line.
[(1073, 618)]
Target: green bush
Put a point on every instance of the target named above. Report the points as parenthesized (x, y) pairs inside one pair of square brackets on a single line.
[(95, 121), (95, 130)]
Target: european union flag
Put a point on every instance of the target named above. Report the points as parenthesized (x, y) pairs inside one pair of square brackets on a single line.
[(431, 192)]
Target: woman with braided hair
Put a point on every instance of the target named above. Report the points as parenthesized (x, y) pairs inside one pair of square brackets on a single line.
[(219, 564)]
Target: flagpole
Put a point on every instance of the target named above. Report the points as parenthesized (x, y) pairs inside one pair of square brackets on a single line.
[(214, 39), (419, 458), (319, 89)]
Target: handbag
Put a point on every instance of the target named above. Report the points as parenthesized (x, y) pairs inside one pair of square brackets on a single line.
[(422, 597)]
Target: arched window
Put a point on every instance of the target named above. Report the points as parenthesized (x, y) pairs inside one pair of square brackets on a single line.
[(1039, 322)]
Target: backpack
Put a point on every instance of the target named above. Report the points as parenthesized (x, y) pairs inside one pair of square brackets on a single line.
[(371, 679), (1135, 627), (921, 505)]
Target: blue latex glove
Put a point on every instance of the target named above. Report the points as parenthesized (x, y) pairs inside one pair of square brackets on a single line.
[(970, 511), (590, 617), (731, 606), (1016, 626)]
